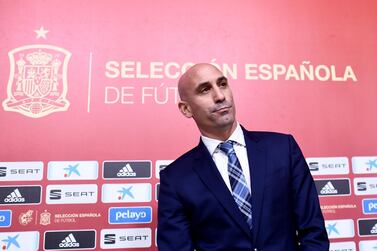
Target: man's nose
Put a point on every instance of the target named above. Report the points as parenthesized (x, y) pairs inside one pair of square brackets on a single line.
[(218, 94)]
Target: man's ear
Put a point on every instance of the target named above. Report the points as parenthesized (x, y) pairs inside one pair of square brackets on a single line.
[(185, 109)]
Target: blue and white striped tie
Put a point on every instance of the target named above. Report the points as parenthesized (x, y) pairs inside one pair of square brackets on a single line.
[(240, 191)]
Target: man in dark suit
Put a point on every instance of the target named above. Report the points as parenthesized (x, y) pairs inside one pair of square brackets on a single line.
[(237, 190)]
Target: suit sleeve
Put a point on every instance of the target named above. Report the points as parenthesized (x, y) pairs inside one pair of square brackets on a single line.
[(309, 219), (173, 232)]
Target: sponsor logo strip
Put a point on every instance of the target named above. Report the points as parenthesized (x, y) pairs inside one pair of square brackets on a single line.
[(328, 165), (5, 218), (133, 169), (72, 170), (370, 206), (364, 164), (72, 194), (119, 193), (126, 238), (161, 165), (22, 241), (367, 227), (19, 195), (333, 187), (340, 228), (130, 215), (343, 246), (75, 239), (368, 245), (21, 171), (365, 186), (157, 190)]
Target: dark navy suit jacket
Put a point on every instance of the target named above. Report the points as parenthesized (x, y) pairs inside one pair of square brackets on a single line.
[(197, 211)]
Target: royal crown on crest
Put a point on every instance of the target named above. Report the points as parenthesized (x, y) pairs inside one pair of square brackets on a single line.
[(39, 58)]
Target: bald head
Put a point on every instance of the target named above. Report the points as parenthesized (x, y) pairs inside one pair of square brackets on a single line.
[(195, 72), (207, 98)]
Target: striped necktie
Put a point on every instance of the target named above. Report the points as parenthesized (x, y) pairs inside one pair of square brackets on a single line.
[(240, 191)]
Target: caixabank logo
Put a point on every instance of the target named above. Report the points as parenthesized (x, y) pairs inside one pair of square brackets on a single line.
[(364, 164), (342, 228), (72, 170), (19, 241), (37, 84), (120, 193), (75, 239), (18, 195)]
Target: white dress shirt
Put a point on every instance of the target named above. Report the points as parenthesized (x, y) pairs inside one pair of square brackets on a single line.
[(221, 159)]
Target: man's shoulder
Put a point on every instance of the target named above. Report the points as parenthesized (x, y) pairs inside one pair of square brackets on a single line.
[(187, 156), (270, 140), (266, 135), (182, 162)]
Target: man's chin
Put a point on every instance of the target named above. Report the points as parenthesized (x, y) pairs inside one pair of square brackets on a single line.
[(226, 122)]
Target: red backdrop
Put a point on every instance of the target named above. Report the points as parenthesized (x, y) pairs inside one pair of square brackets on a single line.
[(295, 67)]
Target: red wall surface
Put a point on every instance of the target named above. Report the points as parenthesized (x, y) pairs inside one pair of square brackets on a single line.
[(298, 67)]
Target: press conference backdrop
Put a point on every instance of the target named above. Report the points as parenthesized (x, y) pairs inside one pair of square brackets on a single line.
[(89, 109)]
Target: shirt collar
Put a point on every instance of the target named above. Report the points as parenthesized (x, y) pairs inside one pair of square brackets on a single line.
[(237, 136)]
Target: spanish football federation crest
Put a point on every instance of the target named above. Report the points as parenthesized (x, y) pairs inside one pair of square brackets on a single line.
[(45, 218), (37, 83)]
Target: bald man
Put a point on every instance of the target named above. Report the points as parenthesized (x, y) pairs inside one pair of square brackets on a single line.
[(237, 190)]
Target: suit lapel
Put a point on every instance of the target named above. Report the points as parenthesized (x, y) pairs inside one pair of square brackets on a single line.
[(211, 178), (257, 163)]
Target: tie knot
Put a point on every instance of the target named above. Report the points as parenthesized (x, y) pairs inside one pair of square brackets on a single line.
[(226, 147)]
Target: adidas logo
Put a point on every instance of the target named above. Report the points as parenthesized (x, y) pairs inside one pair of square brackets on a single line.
[(126, 171), (69, 242), (374, 229), (329, 189), (15, 196)]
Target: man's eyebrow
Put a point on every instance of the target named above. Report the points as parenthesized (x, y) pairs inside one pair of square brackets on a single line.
[(220, 79), (201, 85)]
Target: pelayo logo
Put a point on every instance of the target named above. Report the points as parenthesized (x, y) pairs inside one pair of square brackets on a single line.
[(130, 215)]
